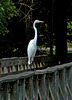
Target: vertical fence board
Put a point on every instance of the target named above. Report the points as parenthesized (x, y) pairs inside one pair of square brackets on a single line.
[(23, 89), (42, 87), (62, 85), (67, 83), (47, 86), (35, 88), (20, 89), (57, 85), (29, 89), (5, 92), (14, 93), (17, 90), (52, 86), (56, 93), (70, 82)]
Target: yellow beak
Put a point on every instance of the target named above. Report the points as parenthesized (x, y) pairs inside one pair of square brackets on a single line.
[(41, 21)]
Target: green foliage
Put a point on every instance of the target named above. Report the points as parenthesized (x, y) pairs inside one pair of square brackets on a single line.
[(69, 30), (44, 35), (69, 27), (7, 11)]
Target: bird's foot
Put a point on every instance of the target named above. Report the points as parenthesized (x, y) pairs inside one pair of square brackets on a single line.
[(32, 65)]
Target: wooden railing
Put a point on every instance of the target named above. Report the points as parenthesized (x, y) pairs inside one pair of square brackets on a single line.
[(19, 64), (46, 83)]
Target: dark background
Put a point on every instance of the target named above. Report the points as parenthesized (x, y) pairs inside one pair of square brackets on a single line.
[(53, 12)]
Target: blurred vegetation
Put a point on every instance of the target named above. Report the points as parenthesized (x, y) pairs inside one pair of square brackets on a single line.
[(7, 12), (69, 30), (16, 18)]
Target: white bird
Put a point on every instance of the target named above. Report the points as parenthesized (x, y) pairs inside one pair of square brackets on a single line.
[(32, 46)]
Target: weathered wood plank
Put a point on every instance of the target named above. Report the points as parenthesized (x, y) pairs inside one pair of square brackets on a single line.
[(22, 89), (62, 85), (29, 89), (52, 83), (24, 74), (17, 90), (41, 61), (47, 86), (69, 82), (5, 91), (35, 88), (42, 87), (14, 93), (57, 86), (10, 78), (6, 62)]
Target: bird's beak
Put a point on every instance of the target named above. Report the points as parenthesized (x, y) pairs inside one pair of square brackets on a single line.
[(41, 21)]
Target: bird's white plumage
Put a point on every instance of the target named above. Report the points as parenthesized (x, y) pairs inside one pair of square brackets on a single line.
[(32, 46), (31, 50)]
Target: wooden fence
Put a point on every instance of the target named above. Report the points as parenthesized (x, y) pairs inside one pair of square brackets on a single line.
[(50, 83)]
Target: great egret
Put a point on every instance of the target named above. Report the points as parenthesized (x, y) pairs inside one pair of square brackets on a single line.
[(32, 46)]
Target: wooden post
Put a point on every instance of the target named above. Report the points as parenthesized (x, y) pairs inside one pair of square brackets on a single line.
[(14, 94), (5, 92), (62, 85), (56, 94), (69, 85), (42, 87), (17, 90), (35, 88), (52, 85), (22, 89), (29, 89), (47, 86)]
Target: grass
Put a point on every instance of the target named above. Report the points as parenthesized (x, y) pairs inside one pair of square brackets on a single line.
[(47, 51), (69, 44)]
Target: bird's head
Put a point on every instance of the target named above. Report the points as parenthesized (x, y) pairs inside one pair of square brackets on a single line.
[(38, 21)]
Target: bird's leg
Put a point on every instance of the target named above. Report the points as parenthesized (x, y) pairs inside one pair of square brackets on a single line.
[(30, 67), (34, 66)]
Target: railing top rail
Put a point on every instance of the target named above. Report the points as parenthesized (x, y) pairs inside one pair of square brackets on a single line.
[(11, 78), (23, 60), (14, 77), (5, 62), (16, 65), (54, 68)]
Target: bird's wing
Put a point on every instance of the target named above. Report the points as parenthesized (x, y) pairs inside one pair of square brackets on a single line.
[(31, 50)]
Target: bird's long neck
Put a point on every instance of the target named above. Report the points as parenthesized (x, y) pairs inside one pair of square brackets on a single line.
[(35, 37)]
